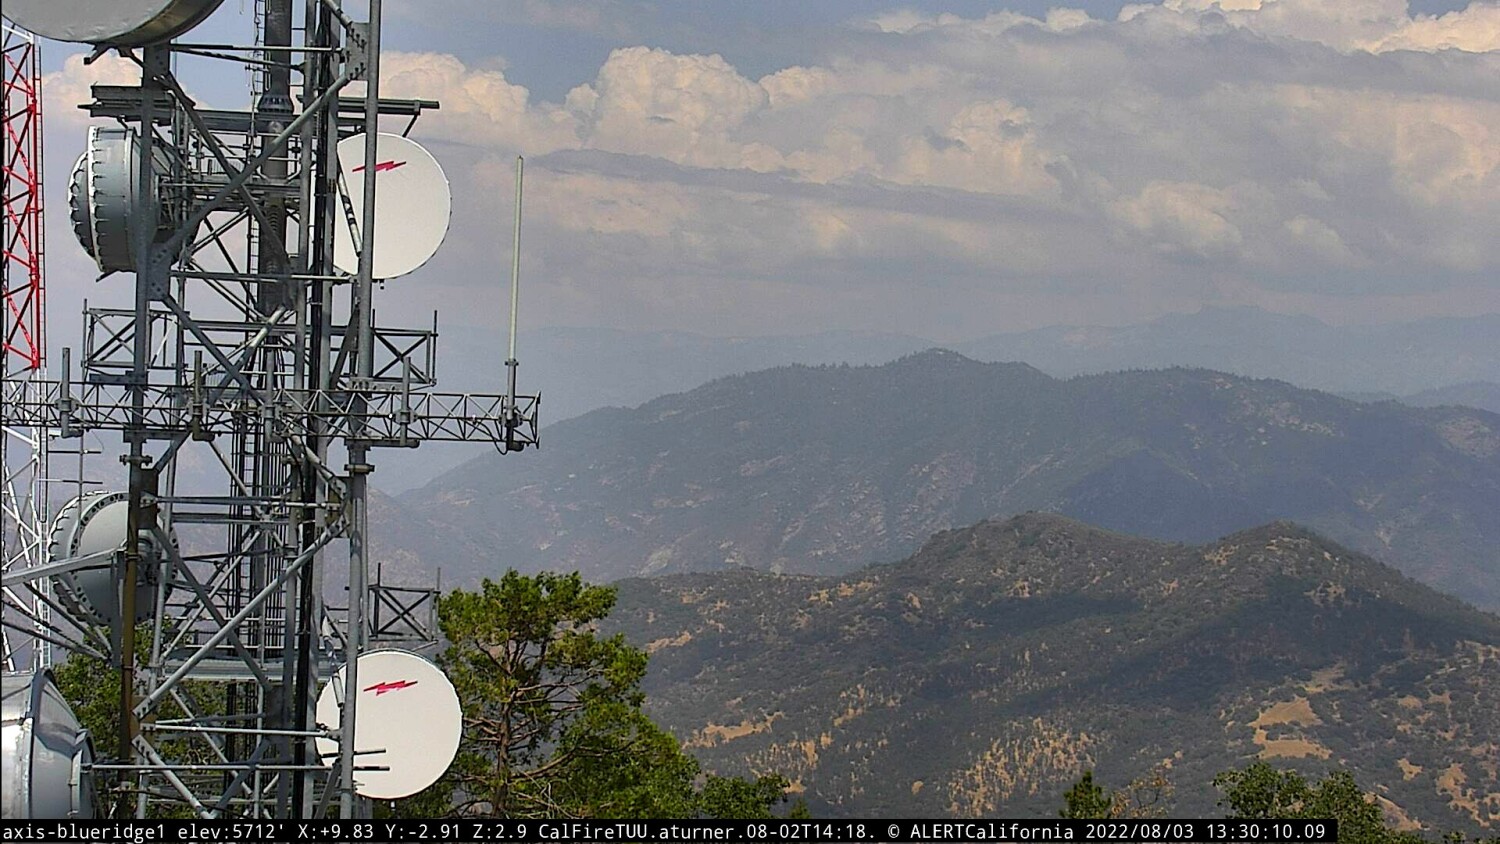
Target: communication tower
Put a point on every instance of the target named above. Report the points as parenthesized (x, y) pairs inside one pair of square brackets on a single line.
[(23, 361), (255, 240)]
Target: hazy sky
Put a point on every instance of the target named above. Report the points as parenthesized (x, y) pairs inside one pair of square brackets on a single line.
[(942, 169)]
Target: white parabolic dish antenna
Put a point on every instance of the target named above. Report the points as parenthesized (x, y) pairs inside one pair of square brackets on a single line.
[(407, 719), (112, 21), (412, 205)]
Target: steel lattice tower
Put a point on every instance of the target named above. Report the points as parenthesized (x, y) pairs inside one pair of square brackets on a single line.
[(23, 447), (246, 351)]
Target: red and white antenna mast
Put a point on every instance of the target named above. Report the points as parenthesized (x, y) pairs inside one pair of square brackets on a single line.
[(23, 449)]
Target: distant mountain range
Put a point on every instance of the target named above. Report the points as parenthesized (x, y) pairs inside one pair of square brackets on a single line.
[(1481, 394), (982, 675), (582, 369), (826, 469), (1399, 358)]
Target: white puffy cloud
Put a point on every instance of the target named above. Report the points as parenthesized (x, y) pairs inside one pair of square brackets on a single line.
[(1352, 25), (841, 79), (1289, 153), (478, 105), (1182, 217), (64, 90), (990, 146), (682, 108), (908, 21), (1475, 29), (1427, 164)]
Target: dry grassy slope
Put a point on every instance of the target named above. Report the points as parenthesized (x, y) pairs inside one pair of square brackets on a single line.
[(981, 675)]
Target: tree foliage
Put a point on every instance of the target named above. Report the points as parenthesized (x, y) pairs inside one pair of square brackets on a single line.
[(1257, 791), (1261, 791), (1086, 799), (1147, 796), (553, 725), (92, 688)]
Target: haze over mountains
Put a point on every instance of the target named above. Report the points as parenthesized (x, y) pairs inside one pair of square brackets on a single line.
[(582, 369), (1398, 358), (1016, 646), (826, 469), (1481, 394), (984, 673)]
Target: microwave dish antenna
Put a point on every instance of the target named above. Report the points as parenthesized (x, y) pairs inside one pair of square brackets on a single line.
[(244, 366), (407, 721), (92, 527), (104, 198), (116, 22), (47, 754), (412, 205)]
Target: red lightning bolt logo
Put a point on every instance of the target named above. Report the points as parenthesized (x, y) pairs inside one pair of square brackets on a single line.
[(383, 166), (381, 688)]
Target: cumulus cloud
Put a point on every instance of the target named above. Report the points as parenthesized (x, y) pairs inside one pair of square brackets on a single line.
[(479, 105), (990, 146), (1184, 152), (1182, 217), (682, 108), (64, 90), (1318, 238), (1352, 25), (1475, 29)]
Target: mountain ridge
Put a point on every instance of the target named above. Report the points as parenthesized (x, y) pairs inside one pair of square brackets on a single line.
[(983, 673), (824, 468), (581, 369)]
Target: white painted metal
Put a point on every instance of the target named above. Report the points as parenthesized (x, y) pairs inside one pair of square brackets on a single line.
[(46, 755), (93, 523), (407, 720), (112, 21), (239, 359), (412, 205)]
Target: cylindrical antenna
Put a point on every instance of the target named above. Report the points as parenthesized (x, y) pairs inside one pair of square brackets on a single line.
[(515, 268), (515, 305)]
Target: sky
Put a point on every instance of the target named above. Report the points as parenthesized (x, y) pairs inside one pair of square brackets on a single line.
[(945, 169)]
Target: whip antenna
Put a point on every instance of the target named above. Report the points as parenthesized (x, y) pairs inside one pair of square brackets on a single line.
[(512, 419)]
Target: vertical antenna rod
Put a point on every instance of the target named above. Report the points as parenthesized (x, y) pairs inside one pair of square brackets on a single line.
[(359, 468), (511, 420), (291, 384)]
